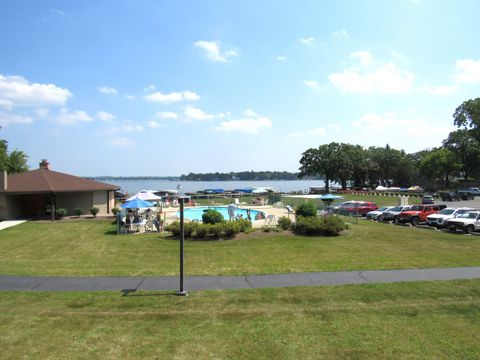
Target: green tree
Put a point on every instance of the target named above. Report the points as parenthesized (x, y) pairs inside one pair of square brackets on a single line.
[(467, 115), (350, 164), (467, 150), (14, 162), (321, 161), (439, 164)]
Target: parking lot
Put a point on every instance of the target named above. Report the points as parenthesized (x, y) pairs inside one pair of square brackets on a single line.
[(475, 203)]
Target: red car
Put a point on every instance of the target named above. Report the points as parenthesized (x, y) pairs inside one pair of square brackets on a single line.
[(419, 213), (357, 208)]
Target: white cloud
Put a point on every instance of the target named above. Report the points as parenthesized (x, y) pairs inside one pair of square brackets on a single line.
[(377, 77), (7, 119), (252, 124), (166, 115), (374, 122), (195, 114), (68, 117), (120, 141), (403, 131), (105, 116), (17, 91), (42, 112), (107, 90), (364, 57), (130, 97), (131, 128), (6, 104), (468, 71), (307, 40), (150, 87), (250, 113), (172, 97), (153, 124), (312, 84), (341, 34), (281, 58), (213, 52), (316, 132)]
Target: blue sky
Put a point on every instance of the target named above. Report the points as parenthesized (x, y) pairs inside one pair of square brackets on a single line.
[(172, 87)]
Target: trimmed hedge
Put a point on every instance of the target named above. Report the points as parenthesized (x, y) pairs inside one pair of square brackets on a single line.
[(325, 225), (201, 231)]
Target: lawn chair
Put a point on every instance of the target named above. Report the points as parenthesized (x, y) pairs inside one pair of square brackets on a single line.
[(270, 220)]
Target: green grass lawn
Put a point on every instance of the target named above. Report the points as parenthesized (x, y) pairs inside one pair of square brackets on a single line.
[(90, 247), (421, 320)]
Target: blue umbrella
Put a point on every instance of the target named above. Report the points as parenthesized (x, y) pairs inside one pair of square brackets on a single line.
[(136, 204), (329, 197)]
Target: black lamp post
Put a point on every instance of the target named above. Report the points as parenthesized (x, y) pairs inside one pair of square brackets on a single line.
[(181, 201)]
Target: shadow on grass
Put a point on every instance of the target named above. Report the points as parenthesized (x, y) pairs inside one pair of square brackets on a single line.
[(133, 293)]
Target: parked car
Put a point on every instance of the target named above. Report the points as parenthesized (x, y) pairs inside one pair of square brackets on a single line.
[(392, 214), (468, 222), (473, 191), (357, 208), (373, 215), (428, 199), (419, 213), (467, 194), (438, 219)]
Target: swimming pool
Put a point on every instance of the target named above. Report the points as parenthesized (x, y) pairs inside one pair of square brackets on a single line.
[(195, 213)]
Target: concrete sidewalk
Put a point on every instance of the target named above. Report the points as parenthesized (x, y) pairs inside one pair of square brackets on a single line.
[(103, 283)]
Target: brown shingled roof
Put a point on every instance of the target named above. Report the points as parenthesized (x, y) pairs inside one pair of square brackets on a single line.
[(44, 180)]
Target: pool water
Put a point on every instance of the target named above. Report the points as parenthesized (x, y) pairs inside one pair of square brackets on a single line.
[(196, 213)]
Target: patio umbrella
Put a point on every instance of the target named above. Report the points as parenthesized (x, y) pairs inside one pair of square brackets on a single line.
[(136, 204), (328, 198), (145, 195)]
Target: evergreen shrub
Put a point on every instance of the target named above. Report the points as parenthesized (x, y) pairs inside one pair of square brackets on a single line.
[(307, 209)]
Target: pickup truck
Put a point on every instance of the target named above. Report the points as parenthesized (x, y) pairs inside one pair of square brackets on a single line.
[(468, 222), (419, 213), (470, 193)]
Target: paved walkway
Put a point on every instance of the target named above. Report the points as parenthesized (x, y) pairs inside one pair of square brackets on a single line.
[(74, 283), (9, 223)]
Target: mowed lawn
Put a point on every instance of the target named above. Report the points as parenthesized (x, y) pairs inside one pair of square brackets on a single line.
[(91, 247), (421, 320)]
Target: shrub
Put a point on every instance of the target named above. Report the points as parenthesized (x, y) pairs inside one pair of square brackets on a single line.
[(211, 216), (243, 225), (174, 228), (115, 211), (94, 211), (327, 225), (231, 228), (307, 209), (216, 230), (78, 211), (284, 223), (201, 231), (61, 212)]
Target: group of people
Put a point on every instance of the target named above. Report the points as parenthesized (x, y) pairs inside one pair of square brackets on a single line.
[(134, 219)]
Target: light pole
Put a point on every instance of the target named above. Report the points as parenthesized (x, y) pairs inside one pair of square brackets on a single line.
[(181, 201)]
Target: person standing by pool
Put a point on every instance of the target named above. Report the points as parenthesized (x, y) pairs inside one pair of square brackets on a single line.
[(231, 211)]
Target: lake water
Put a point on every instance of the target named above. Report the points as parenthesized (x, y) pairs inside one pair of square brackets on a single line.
[(134, 186)]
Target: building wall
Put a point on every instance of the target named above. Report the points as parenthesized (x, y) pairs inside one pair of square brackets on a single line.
[(101, 200), (73, 200), (10, 206)]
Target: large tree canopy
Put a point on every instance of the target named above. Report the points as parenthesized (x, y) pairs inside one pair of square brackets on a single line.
[(467, 115)]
